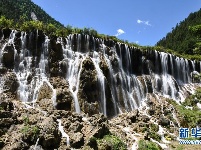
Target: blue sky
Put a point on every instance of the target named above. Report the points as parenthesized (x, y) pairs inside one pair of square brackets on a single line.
[(141, 21)]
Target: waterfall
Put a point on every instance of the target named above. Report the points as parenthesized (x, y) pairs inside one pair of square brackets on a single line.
[(64, 134), (123, 75), (101, 78)]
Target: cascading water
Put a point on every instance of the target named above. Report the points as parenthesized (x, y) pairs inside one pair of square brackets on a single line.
[(101, 78), (123, 75), (30, 75)]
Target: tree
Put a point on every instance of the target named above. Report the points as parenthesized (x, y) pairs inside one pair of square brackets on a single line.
[(5, 23), (196, 31)]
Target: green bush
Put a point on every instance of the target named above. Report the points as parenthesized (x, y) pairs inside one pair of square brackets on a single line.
[(6, 23), (147, 145), (111, 142), (155, 136)]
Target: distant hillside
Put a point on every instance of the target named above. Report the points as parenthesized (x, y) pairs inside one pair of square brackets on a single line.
[(14, 9), (180, 38)]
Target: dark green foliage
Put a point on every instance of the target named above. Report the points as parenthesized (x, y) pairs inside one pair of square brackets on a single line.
[(196, 31), (181, 38), (147, 145), (154, 136), (20, 10)]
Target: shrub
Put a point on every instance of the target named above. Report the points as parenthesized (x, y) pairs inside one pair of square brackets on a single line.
[(147, 145), (111, 142)]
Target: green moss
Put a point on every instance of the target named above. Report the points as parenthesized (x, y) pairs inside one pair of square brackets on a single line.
[(155, 136), (188, 118), (180, 147), (154, 127), (111, 142), (30, 132), (192, 100), (147, 145)]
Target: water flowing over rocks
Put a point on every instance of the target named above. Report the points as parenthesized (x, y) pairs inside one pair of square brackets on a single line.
[(82, 92)]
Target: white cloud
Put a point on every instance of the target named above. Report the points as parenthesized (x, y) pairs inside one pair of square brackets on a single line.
[(139, 21), (143, 22), (119, 32)]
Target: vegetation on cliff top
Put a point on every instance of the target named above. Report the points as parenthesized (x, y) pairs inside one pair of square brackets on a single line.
[(181, 39), (52, 31)]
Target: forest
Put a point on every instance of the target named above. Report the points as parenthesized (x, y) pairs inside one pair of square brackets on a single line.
[(182, 38)]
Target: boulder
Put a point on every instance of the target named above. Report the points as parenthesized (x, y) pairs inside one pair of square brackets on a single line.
[(164, 121), (50, 135), (77, 140), (64, 97), (11, 83), (45, 91)]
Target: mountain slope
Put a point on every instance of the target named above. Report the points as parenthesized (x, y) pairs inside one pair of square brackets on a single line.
[(180, 38), (14, 9)]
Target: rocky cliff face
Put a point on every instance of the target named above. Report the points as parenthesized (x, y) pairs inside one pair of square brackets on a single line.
[(58, 76)]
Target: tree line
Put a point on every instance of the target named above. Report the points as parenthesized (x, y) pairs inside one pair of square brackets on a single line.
[(182, 38)]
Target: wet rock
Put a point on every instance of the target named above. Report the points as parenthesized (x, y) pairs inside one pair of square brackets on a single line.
[(104, 67), (64, 97), (133, 116), (64, 67), (5, 114), (6, 122), (6, 33), (18, 145), (100, 131), (54, 69), (88, 89), (164, 121), (45, 91), (55, 55), (8, 56), (3, 70), (91, 108), (75, 127), (50, 136), (6, 105), (11, 83), (149, 84), (17, 41), (77, 140)]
